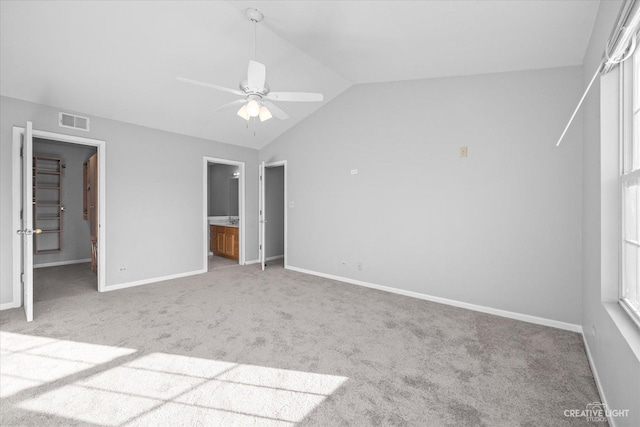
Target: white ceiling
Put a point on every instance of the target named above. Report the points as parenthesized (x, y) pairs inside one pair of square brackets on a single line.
[(377, 41), (119, 60)]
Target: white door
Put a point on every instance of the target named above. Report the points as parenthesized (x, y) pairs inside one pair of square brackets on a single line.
[(263, 221), (27, 221)]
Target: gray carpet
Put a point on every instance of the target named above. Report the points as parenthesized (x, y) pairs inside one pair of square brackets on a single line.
[(63, 281), (216, 262), (238, 346)]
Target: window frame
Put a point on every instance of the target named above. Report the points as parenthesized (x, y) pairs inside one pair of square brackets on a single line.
[(629, 101)]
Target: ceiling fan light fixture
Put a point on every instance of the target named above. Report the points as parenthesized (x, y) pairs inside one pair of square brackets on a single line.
[(256, 96), (253, 108), (265, 114), (242, 112)]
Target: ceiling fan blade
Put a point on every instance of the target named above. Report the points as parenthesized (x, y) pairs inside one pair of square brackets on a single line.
[(210, 86), (256, 76), (275, 110), (295, 96), (228, 105)]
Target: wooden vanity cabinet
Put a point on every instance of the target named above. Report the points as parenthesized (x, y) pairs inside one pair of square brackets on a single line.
[(224, 241)]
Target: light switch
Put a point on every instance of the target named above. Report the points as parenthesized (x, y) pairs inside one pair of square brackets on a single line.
[(463, 151), (292, 204), (354, 171)]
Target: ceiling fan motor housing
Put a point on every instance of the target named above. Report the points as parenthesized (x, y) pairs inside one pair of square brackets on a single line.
[(254, 15), (244, 86)]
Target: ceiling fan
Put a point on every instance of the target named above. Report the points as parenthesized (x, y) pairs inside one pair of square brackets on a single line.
[(257, 96)]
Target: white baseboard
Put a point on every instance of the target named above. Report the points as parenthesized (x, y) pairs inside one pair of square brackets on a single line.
[(154, 280), (254, 261), (272, 258), (483, 309), (597, 379), (55, 264), (9, 305)]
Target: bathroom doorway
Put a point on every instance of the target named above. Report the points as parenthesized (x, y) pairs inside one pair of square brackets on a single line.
[(223, 213)]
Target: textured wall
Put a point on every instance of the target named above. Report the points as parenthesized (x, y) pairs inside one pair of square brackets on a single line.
[(500, 228), (155, 193), (613, 341)]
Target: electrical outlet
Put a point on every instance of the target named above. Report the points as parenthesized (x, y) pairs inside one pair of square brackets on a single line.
[(354, 171), (345, 264), (463, 151), (123, 268), (359, 265)]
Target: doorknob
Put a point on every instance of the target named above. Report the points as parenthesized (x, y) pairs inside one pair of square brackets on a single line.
[(29, 232)]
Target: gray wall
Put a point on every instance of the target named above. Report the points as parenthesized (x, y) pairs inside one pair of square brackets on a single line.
[(155, 196), (76, 243), (615, 347), (234, 203), (500, 228), (223, 190), (274, 211)]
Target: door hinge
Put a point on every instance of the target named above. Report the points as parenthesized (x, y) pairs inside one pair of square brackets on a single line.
[(21, 151), (260, 247), (22, 277)]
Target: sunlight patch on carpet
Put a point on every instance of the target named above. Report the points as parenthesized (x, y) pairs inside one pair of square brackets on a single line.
[(29, 361), (154, 388)]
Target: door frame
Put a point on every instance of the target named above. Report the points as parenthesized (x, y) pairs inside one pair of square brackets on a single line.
[(282, 163), (205, 208), (18, 132)]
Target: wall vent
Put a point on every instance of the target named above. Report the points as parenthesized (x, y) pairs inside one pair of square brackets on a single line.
[(72, 121)]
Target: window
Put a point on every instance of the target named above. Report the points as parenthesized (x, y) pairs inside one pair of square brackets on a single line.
[(630, 189)]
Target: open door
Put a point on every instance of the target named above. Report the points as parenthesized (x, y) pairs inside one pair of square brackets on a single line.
[(263, 221), (26, 158)]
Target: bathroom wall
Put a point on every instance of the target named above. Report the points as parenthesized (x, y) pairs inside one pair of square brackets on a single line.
[(223, 190)]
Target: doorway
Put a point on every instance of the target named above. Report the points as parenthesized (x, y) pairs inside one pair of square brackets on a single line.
[(25, 211), (224, 213), (273, 214), (62, 256)]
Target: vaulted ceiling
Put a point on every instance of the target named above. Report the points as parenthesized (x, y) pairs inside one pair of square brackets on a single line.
[(120, 60)]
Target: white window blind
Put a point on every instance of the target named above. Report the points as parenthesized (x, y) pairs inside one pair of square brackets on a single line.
[(621, 45)]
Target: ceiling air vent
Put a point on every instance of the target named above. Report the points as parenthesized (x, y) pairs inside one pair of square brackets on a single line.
[(71, 121)]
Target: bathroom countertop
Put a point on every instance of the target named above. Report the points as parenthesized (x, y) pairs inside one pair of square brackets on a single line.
[(223, 223)]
